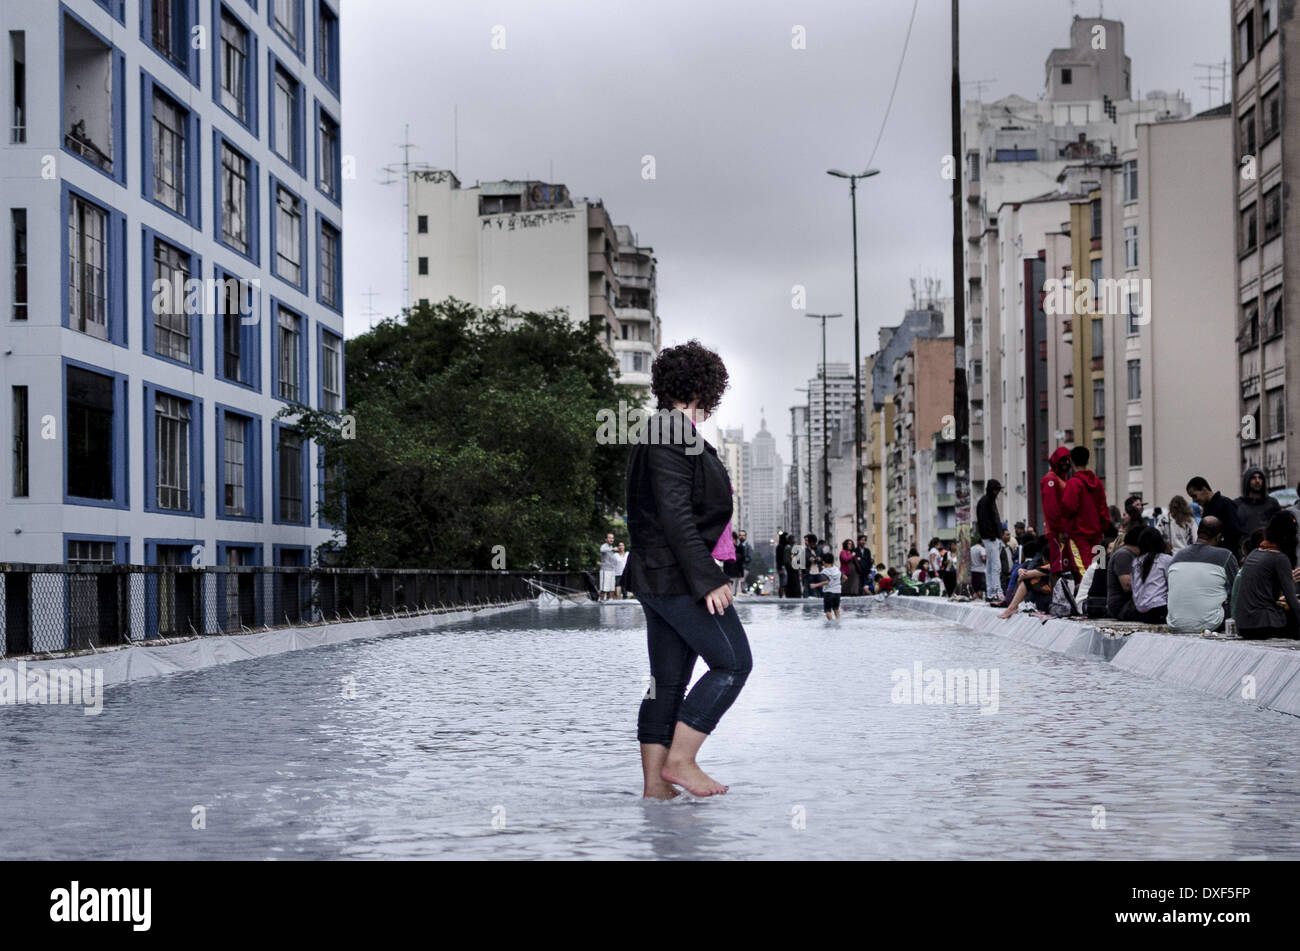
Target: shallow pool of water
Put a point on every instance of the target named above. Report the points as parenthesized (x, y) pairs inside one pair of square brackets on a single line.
[(512, 736)]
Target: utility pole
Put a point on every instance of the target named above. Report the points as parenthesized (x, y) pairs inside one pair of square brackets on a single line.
[(960, 407)]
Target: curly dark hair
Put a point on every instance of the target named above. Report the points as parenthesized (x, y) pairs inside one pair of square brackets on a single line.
[(688, 372)]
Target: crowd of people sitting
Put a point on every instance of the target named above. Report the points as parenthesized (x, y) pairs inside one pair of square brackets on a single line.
[(1208, 562)]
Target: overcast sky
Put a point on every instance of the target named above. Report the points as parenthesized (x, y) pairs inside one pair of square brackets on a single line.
[(742, 128)]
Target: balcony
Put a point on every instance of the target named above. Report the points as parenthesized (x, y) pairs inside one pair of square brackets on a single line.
[(634, 280), (945, 501), (1099, 363), (1099, 424)]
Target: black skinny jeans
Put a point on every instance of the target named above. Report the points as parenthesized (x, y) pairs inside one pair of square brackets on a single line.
[(678, 630)]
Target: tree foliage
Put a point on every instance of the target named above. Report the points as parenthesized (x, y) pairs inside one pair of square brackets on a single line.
[(467, 430)]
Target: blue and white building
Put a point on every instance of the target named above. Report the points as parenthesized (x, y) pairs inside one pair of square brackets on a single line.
[(194, 143)]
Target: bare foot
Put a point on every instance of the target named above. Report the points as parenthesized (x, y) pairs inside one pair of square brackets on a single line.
[(660, 790), (690, 777)]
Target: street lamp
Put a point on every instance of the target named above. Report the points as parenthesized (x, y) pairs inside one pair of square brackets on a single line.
[(826, 433), (857, 348)]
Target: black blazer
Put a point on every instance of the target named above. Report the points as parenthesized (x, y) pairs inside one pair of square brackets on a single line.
[(678, 505)]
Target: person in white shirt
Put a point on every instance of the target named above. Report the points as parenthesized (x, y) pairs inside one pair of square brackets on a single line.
[(977, 563), (608, 567), (620, 564), (831, 582), (1178, 525)]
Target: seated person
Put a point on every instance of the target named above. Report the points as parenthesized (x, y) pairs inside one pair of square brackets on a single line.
[(1201, 576), (1149, 581), (1034, 581), (1266, 604), (1119, 577)]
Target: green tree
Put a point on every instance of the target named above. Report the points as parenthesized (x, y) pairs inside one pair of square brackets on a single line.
[(469, 435)]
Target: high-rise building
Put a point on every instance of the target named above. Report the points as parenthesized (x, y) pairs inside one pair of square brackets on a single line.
[(766, 492), (172, 230), (531, 245), (1266, 153)]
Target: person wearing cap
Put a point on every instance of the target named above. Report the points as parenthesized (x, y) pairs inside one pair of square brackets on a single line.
[(1051, 488), (989, 525)]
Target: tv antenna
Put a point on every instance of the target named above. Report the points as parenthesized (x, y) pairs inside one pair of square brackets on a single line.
[(1215, 77), (370, 313), (979, 85), (404, 170)]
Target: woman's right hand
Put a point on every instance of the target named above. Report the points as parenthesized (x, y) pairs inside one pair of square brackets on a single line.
[(718, 599)]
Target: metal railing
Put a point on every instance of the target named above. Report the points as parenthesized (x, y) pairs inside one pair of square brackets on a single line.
[(52, 608)]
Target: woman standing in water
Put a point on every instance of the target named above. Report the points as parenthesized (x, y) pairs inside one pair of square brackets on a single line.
[(679, 520)]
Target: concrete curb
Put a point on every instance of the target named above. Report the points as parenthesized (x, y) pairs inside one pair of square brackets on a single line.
[(137, 662), (1262, 673)]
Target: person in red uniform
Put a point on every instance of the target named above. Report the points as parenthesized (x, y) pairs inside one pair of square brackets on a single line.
[(1051, 488), (1085, 512)]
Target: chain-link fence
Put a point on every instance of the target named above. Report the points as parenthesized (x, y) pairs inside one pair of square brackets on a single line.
[(47, 608)]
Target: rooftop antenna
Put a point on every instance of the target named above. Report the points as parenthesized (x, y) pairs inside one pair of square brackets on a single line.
[(1216, 77), (455, 141), (979, 85), (392, 171), (370, 313)]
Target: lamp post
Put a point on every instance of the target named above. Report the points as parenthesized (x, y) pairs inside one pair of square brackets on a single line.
[(859, 521), (826, 433)]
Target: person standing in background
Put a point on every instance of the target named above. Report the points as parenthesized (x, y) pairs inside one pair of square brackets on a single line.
[(989, 525), (621, 559), (609, 569)]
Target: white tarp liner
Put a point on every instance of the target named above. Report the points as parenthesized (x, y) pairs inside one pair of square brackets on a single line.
[(129, 664)]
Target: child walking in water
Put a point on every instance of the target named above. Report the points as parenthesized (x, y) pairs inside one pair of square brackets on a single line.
[(831, 582)]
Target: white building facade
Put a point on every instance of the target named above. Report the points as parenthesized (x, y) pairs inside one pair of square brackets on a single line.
[(143, 421)]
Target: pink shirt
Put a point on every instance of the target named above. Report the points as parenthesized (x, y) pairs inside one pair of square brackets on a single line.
[(725, 548)]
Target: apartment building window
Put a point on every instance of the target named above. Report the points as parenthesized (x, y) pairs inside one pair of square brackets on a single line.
[(1131, 246), (169, 154), (286, 18), (18, 239), (1134, 446), (82, 551), (1273, 313), (1135, 316), (1098, 340), (93, 84), (234, 489), (288, 236), (90, 435), (331, 372), (286, 120), (422, 266), (1273, 213), (289, 355), (239, 339), (327, 45), (235, 65), (88, 268), (1095, 217), (1099, 397), (22, 448), (422, 224), (169, 26), (1275, 407), (1267, 19), (1099, 456), (1131, 180), (172, 452), (328, 157), (1248, 229), (1246, 39), (1249, 336), (235, 200), (330, 279), (1247, 130), (171, 327), (232, 344), (1134, 380), (977, 372), (291, 476), (18, 86), (1271, 113), (1067, 77)]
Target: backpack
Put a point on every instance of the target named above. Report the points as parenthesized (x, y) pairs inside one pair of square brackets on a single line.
[(1063, 603)]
